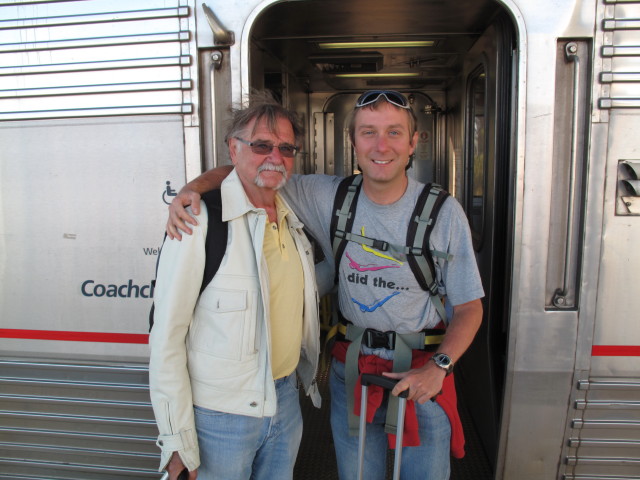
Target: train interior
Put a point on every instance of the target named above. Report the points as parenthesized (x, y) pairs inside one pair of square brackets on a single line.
[(455, 61)]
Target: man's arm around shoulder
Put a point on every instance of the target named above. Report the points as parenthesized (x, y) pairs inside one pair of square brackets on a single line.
[(190, 194)]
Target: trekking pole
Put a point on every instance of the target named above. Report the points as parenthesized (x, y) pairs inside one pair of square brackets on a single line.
[(184, 474), (387, 383)]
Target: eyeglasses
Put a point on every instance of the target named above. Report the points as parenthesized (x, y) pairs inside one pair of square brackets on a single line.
[(391, 96), (264, 148)]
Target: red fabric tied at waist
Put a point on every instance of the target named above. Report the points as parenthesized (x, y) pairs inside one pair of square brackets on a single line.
[(447, 399)]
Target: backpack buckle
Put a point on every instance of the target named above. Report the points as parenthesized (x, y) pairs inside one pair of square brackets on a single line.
[(376, 339), (380, 245)]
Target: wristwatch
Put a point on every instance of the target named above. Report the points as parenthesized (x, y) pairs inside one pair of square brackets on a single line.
[(443, 361)]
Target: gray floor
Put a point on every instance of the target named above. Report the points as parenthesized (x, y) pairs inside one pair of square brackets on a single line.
[(316, 460)]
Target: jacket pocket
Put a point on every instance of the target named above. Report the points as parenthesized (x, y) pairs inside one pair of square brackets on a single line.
[(219, 327)]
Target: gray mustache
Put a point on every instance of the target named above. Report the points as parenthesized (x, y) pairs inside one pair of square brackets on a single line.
[(269, 167)]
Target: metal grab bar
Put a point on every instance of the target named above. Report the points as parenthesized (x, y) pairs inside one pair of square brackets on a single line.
[(560, 296), (221, 37), (216, 63)]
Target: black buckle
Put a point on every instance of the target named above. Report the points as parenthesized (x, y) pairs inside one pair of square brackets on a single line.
[(380, 245), (377, 339)]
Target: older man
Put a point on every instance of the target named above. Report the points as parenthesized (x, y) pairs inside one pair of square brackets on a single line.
[(223, 362), (380, 296)]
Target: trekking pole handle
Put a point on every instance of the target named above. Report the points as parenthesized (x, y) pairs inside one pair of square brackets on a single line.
[(184, 475), (382, 381)]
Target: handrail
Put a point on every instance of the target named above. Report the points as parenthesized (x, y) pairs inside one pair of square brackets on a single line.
[(221, 37), (560, 296), (216, 63)]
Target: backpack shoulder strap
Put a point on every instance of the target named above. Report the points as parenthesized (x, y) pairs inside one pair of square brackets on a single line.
[(344, 206), (153, 284), (217, 234), (215, 243), (421, 224)]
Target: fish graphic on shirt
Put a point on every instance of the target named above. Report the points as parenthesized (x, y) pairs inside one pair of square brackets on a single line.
[(370, 267), (376, 305)]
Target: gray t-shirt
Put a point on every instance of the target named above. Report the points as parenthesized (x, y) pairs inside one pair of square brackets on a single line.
[(377, 290)]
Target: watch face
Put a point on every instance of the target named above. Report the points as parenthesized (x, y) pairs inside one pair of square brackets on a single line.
[(442, 360)]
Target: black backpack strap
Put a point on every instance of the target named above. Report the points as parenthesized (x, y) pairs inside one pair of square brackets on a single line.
[(420, 258), (217, 234), (344, 206), (215, 243), (153, 285)]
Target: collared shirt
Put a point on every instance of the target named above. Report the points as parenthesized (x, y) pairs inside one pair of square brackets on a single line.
[(286, 294)]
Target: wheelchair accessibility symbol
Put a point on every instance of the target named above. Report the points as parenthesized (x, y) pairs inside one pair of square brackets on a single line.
[(168, 192)]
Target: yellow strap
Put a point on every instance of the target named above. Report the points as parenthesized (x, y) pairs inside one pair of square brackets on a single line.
[(338, 327), (433, 339)]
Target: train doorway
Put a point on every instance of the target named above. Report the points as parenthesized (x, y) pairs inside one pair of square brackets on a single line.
[(456, 63)]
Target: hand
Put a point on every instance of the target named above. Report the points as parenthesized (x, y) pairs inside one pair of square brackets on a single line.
[(175, 467), (424, 383), (179, 217)]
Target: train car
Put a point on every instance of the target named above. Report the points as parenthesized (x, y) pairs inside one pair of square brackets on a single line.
[(527, 112)]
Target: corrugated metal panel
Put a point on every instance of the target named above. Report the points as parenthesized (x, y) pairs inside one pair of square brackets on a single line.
[(68, 421), (604, 441), (94, 58), (620, 78)]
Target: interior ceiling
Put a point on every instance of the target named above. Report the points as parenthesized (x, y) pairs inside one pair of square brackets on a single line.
[(286, 36)]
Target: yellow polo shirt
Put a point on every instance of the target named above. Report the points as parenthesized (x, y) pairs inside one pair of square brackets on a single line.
[(286, 282)]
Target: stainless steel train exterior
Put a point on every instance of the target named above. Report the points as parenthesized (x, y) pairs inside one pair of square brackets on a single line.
[(529, 113)]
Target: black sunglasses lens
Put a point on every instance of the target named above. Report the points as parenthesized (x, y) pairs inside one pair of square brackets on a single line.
[(287, 150), (267, 148), (368, 98), (262, 148), (396, 98)]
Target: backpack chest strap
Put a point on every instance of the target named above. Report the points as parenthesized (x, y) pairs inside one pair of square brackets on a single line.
[(362, 240)]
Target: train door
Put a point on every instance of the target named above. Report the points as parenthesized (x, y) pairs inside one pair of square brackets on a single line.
[(460, 83), (486, 180)]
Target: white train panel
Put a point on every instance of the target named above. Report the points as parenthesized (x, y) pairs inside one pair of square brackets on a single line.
[(88, 272)]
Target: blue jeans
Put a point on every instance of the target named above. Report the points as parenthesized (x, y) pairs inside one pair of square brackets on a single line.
[(238, 447), (429, 461)]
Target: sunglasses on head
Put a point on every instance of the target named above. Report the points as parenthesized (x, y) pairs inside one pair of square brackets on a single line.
[(265, 148), (391, 96)]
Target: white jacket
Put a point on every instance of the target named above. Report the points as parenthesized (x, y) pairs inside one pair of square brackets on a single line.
[(212, 350)]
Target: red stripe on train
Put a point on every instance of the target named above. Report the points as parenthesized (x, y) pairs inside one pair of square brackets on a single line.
[(101, 337), (143, 338), (615, 351)]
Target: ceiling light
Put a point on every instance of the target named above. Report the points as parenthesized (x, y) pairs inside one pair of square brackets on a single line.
[(394, 44), (375, 75)]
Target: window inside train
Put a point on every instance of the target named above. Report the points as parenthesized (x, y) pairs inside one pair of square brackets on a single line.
[(476, 149)]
